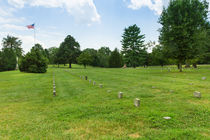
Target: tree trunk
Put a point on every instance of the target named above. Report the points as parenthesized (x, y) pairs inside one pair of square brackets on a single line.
[(180, 67), (16, 63), (69, 65), (85, 66), (58, 65)]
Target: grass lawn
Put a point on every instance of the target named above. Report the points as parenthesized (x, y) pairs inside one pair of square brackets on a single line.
[(80, 110)]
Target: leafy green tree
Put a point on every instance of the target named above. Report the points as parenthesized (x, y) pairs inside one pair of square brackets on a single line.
[(183, 23), (159, 55), (85, 58), (34, 61), (7, 59), (133, 47), (93, 54), (115, 60), (69, 50), (103, 56), (52, 55), (15, 44)]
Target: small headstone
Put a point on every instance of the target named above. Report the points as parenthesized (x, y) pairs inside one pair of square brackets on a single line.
[(100, 85), (197, 94), (120, 95), (167, 118), (171, 91), (86, 77), (203, 78), (153, 87), (108, 91), (137, 102), (54, 93), (94, 83), (89, 81)]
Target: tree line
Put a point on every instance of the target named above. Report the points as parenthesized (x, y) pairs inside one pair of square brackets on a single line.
[(184, 40)]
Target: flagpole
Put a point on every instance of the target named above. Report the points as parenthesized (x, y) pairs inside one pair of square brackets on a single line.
[(34, 35)]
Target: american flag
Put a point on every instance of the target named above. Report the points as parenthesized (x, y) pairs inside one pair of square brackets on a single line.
[(30, 26)]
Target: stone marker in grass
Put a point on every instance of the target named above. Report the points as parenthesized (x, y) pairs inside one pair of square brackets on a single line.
[(120, 95), (54, 92), (153, 87), (137, 102), (203, 78), (89, 81), (94, 83), (108, 91), (197, 94), (86, 77), (167, 118), (100, 85)]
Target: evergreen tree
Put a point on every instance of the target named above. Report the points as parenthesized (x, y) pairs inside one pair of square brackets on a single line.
[(133, 46), (7, 59), (34, 61)]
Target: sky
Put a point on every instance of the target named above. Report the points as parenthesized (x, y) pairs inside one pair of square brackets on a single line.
[(93, 23)]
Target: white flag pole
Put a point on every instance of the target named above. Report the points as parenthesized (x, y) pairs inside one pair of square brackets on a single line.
[(34, 35)]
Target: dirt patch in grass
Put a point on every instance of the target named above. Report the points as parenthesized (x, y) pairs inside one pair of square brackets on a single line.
[(135, 135)]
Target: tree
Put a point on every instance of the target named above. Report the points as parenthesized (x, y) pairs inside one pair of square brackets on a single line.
[(133, 46), (85, 59), (7, 59), (115, 60), (15, 44), (34, 61), (52, 55), (69, 50), (159, 56), (183, 23), (103, 56), (94, 56)]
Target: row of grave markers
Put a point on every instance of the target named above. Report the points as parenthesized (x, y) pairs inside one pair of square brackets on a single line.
[(120, 94), (197, 94), (54, 87)]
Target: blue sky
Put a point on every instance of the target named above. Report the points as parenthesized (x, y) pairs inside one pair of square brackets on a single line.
[(93, 23)]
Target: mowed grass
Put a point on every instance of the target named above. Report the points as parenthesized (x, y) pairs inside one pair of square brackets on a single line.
[(80, 110)]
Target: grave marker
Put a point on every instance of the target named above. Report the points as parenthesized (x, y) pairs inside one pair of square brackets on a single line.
[(137, 102), (120, 95), (197, 94)]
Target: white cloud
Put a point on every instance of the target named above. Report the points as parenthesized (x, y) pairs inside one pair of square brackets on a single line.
[(12, 27), (154, 5), (82, 10)]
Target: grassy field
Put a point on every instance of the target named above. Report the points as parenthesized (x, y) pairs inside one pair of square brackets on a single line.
[(80, 110)]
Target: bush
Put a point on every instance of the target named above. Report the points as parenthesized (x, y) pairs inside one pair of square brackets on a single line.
[(7, 59), (34, 61)]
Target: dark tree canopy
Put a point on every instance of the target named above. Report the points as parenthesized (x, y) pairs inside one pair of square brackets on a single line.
[(115, 60), (68, 51), (34, 61), (133, 46), (13, 43), (103, 56), (7, 59), (183, 23), (85, 58)]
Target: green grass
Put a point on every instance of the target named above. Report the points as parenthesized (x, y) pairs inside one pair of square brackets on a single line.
[(80, 110)]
